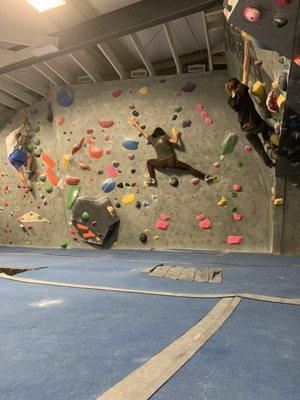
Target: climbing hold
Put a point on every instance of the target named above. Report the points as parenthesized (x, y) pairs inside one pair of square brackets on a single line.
[(129, 198), (234, 239), (36, 141), (118, 205), (133, 170), (208, 121), (66, 160), (203, 114), (95, 152), (72, 195), (106, 137), (85, 216), (131, 106), (108, 185), (237, 216), (200, 107), (33, 110), (279, 22), (246, 36), (127, 184), (189, 87), (82, 228), (143, 238), (205, 224), (111, 172), (88, 235), (49, 188), (279, 201), (32, 217), (37, 153), (222, 202), (117, 93), (228, 144), (252, 14), (296, 59), (200, 217), (274, 139), (138, 204), (258, 89), (233, 195), (135, 113), (174, 117), (177, 93), (145, 203), (65, 97), (248, 149), (106, 123), (283, 3), (83, 166), (100, 172), (195, 181), (120, 185), (178, 109), (186, 123), (130, 144), (144, 90), (165, 217), (143, 127), (42, 177), (162, 225), (63, 243), (258, 63), (216, 165), (29, 148), (282, 82), (77, 146), (240, 164), (236, 187), (71, 180), (36, 128), (271, 102), (116, 164), (174, 181), (281, 100)]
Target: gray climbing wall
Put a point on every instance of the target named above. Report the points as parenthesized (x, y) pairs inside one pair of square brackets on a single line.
[(200, 147)]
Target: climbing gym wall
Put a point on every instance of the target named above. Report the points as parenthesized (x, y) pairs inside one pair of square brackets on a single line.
[(92, 153)]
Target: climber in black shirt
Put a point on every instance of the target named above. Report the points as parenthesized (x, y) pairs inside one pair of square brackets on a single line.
[(251, 122)]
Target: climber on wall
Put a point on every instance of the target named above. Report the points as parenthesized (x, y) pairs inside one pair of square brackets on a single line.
[(251, 122), (166, 156), (14, 142)]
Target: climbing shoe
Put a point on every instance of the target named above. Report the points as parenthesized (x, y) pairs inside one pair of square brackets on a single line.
[(211, 179), (151, 182), (29, 173)]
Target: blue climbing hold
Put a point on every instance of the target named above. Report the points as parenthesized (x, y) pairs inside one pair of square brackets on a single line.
[(65, 97), (130, 144), (33, 110), (108, 185)]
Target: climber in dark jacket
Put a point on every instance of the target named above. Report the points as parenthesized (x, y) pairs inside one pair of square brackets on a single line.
[(251, 122)]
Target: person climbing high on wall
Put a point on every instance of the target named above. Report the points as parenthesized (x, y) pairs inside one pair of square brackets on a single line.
[(17, 157), (251, 122), (166, 156)]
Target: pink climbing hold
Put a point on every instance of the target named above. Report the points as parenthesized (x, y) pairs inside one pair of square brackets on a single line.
[(89, 131), (199, 107), (106, 137), (195, 181), (162, 225), (205, 224), (111, 171), (200, 217), (165, 217), (248, 149), (283, 3), (177, 93), (236, 187), (237, 216), (216, 165), (204, 114), (60, 121), (106, 123), (234, 239), (252, 14), (5, 203), (117, 93), (208, 121), (131, 106)]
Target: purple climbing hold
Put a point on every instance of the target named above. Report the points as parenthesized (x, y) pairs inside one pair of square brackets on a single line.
[(108, 185), (186, 123), (33, 110), (116, 164), (65, 97), (189, 87)]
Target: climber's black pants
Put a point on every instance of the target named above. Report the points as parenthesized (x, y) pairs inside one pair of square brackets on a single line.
[(172, 162)]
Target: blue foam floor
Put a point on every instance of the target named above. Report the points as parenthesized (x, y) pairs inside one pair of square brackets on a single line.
[(254, 356)]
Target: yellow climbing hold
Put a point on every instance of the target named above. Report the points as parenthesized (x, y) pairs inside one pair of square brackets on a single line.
[(129, 198), (258, 89), (32, 217), (110, 209), (156, 237), (274, 84), (280, 100), (146, 231), (275, 139), (66, 160), (279, 201), (222, 202), (144, 90), (246, 36)]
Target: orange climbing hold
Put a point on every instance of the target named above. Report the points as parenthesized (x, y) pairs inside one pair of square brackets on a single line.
[(95, 152), (52, 177), (82, 228), (48, 160), (71, 180), (88, 235), (234, 239), (90, 140)]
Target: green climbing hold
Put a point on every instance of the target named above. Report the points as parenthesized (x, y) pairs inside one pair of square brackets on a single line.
[(63, 243), (42, 177), (233, 194), (72, 196), (29, 148), (234, 209), (36, 128), (49, 188), (228, 144), (240, 164), (85, 216), (36, 141)]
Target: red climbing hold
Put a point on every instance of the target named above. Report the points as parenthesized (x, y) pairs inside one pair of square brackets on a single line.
[(252, 14), (71, 180), (195, 181), (5, 203), (200, 217), (60, 121), (106, 137), (234, 239), (216, 165), (106, 123), (177, 93), (89, 131), (82, 228), (237, 216), (205, 224), (83, 166), (236, 187), (162, 225), (117, 93), (77, 146), (88, 235), (165, 217), (283, 3), (247, 149)]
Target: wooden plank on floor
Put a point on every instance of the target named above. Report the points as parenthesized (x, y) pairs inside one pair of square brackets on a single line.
[(173, 273), (201, 275), (187, 274), (215, 275), (161, 271)]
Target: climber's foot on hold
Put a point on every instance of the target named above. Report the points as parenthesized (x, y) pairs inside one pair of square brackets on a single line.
[(211, 179), (151, 182), (29, 173)]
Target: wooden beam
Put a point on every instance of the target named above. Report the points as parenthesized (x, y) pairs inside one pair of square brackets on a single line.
[(15, 91), (115, 63), (59, 71), (142, 53), (10, 102), (48, 74), (171, 41), (87, 64), (22, 78), (204, 25)]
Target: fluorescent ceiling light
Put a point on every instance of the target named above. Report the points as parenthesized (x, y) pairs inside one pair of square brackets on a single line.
[(44, 5)]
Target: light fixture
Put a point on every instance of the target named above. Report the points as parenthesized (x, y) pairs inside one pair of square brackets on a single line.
[(45, 5)]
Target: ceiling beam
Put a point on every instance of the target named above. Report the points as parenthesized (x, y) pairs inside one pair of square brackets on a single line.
[(48, 74), (15, 91), (124, 21), (206, 35), (17, 36), (115, 63), (142, 53), (10, 102), (59, 71), (171, 41), (22, 78), (87, 64)]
